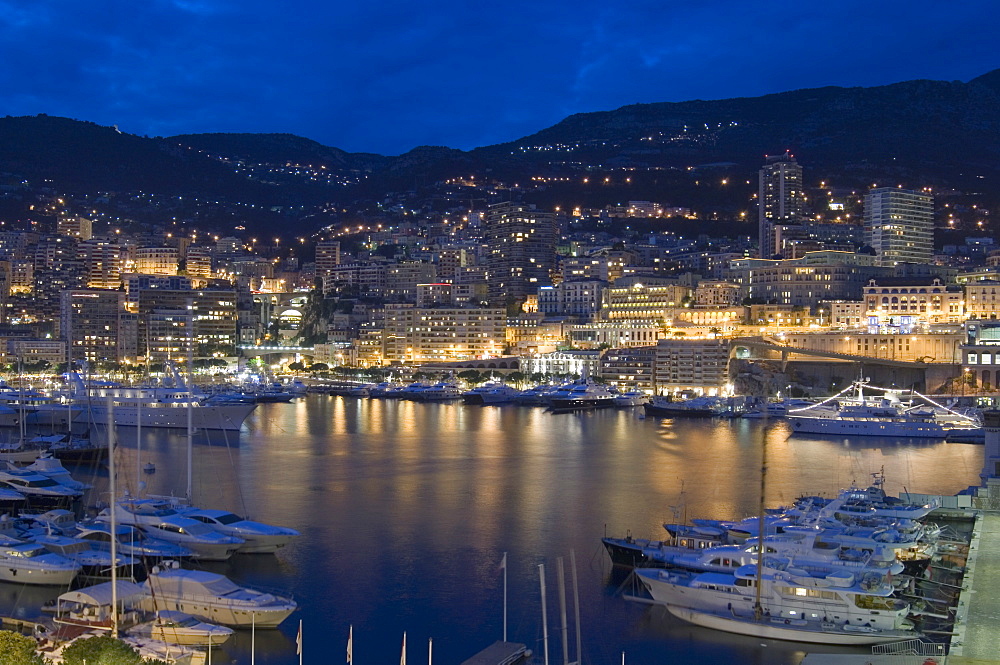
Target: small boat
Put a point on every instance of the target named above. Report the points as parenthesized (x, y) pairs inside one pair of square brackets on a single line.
[(149, 467), (175, 627), (213, 597)]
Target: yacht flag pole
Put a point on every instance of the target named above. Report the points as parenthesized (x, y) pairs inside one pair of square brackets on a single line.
[(253, 637), (298, 642), (545, 622), (503, 566), (402, 658), (430, 650), (350, 645), (111, 509)]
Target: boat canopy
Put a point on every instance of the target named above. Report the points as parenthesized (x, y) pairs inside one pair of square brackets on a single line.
[(191, 583), (100, 594)]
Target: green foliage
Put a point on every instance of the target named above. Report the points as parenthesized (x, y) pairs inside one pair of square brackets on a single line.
[(17, 649), (472, 376), (101, 650)]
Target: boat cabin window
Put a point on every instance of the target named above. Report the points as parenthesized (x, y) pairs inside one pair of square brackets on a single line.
[(97, 536), (228, 518), (744, 582)]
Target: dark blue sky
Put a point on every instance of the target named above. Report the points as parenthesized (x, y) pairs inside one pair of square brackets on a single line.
[(388, 75)]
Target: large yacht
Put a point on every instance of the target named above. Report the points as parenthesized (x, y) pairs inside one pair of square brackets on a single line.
[(490, 393), (840, 608), (582, 394), (31, 563), (880, 416), (159, 406)]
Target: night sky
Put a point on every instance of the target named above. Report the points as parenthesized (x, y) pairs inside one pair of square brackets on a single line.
[(389, 75)]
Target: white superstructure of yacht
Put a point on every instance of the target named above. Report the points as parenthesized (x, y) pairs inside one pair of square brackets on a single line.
[(213, 597)]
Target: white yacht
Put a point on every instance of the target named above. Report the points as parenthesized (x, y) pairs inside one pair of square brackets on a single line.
[(94, 562), (31, 563), (51, 467), (631, 398), (836, 609), (175, 627), (777, 409), (490, 393), (579, 395), (880, 416), (131, 541), (440, 392), (213, 597), (259, 538), (166, 524), (535, 396), (36, 487), (156, 407)]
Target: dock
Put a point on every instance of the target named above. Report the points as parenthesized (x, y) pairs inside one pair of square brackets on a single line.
[(500, 653)]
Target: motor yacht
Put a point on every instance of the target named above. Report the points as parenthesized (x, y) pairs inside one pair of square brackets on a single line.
[(51, 467), (258, 538), (32, 563), (534, 396), (204, 542), (582, 394), (696, 407), (839, 608), (440, 392), (631, 398), (37, 488), (175, 627), (490, 393), (94, 562), (130, 541), (213, 597)]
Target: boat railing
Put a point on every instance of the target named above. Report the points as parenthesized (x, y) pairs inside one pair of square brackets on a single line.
[(914, 647)]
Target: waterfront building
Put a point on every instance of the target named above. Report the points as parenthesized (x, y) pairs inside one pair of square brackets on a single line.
[(32, 350), (899, 225), (563, 363), (521, 250), (699, 366), (96, 325), (433, 334), (780, 200), (629, 368), (845, 313), (532, 334)]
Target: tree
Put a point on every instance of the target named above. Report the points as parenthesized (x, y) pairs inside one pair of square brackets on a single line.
[(102, 649), (472, 376), (319, 367), (17, 649), (517, 378), (296, 366)]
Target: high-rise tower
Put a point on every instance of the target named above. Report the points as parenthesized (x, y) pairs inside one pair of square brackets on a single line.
[(780, 200), (521, 246), (899, 225)]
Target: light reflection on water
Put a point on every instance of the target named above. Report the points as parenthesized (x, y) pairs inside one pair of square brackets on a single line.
[(407, 508)]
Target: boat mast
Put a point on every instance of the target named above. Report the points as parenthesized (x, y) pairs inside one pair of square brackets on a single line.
[(111, 507), (757, 609), (190, 397)]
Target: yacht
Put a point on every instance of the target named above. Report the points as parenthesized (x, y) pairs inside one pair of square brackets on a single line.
[(440, 392), (38, 409), (10, 417), (776, 409), (839, 608), (130, 541), (697, 407), (259, 538), (31, 563), (534, 396), (631, 398), (175, 627), (51, 467), (385, 389), (409, 391), (38, 489), (156, 407), (364, 390), (579, 395), (19, 452), (490, 393), (214, 597), (93, 561), (880, 416), (204, 542)]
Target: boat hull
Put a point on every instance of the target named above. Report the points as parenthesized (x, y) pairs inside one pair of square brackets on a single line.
[(227, 417), (219, 613), (847, 427), (778, 629)]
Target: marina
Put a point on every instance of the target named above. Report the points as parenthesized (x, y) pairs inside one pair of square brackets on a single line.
[(406, 509)]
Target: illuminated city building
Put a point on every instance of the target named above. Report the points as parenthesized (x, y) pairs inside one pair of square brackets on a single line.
[(780, 200), (521, 250), (899, 225)]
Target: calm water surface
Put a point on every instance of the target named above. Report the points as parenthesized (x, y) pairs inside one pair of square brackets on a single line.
[(406, 510)]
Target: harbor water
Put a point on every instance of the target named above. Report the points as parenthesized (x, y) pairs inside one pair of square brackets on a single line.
[(406, 510)]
